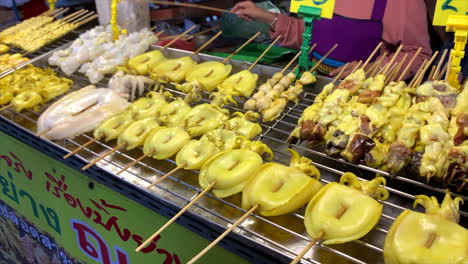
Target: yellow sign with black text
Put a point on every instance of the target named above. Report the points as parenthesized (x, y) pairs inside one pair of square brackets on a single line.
[(446, 8), (327, 6)]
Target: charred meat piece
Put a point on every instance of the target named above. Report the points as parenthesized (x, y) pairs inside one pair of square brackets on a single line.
[(368, 96), (398, 157), (337, 144), (312, 131), (462, 123), (357, 148)]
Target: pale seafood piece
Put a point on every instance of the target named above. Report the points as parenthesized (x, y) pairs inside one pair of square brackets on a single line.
[(143, 63), (222, 139), (279, 189), (195, 153), (203, 118), (433, 237), (173, 70), (209, 74), (242, 126), (173, 114), (148, 106), (362, 211), (80, 112), (231, 171), (135, 134), (164, 142), (112, 127), (240, 84), (26, 99)]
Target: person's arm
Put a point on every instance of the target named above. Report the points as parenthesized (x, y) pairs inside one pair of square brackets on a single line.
[(289, 28), (405, 23)]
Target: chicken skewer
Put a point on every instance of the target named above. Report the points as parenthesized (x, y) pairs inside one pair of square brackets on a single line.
[(356, 212)]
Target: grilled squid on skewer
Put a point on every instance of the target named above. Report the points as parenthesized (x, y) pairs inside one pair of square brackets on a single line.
[(143, 64), (280, 189), (173, 70), (357, 200), (431, 237), (203, 118), (173, 114), (164, 142), (135, 134)]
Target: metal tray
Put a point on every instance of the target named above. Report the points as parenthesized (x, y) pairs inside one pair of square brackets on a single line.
[(258, 239)]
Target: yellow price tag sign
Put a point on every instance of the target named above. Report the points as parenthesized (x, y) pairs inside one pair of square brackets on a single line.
[(446, 8), (327, 6)]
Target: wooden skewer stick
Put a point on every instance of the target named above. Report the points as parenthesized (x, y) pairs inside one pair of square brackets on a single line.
[(449, 65), (79, 148), (323, 58), (134, 162), (392, 60), (416, 76), (54, 11), (175, 217), (87, 20), (319, 236), (206, 44), (204, 31), (395, 71), (442, 72), (178, 37), (418, 82), (229, 230), (73, 15), (372, 55), (59, 13), (264, 52), (408, 67), (441, 60), (50, 11), (193, 6), (39, 134), (308, 247), (310, 52), (81, 17), (431, 73), (340, 73), (103, 156), (377, 65), (357, 66), (241, 47), (295, 58), (5, 107), (160, 179)]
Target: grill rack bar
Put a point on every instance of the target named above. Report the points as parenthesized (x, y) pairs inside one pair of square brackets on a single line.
[(108, 162)]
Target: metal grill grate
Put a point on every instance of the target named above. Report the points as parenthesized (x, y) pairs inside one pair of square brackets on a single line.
[(285, 234)]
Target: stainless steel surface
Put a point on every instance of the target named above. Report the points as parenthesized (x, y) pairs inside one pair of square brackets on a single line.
[(285, 234)]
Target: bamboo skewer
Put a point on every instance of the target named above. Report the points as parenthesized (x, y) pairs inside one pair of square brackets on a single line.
[(103, 156), (340, 73), (82, 18), (39, 134), (416, 75), (449, 63), (74, 15), (394, 72), (377, 65), (229, 230), (408, 67), (437, 70), (392, 60), (241, 47), (203, 32), (5, 107), (87, 20), (310, 52), (264, 52), (193, 6), (372, 55), (442, 72), (323, 58), (357, 66), (160, 179), (79, 148), (178, 37), (431, 73), (419, 80), (320, 235), (295, 58), (206, 44), (60, 12), (175, 217), (134, 162)]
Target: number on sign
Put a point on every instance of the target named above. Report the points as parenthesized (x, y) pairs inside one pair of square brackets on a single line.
[(319, 2), (446, 6)]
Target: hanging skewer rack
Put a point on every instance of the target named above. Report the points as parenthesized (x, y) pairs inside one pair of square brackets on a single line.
[(258, 239)]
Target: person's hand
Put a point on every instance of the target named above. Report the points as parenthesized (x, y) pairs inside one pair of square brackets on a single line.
[(248, 10)]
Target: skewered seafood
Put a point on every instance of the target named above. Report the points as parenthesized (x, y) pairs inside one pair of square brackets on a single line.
[(203, 118), (230, 170), (111, 128), (143, 63), (207, 75), (174, 113), (135, 134), (356, 202), (87, 47), (279, 189), (195, 153), (4, 48), (164, 142), (433, 237), (31, 86), (8, 61), (149, 106), (79, 112), (133, 85), (241, 124), (242, 83), (173, 70)]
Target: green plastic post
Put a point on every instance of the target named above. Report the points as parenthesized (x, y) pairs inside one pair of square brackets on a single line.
[(310, 14)]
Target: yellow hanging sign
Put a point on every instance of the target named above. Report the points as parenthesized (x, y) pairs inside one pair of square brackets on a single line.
[(446, 8), (327, 6), (52, 4)]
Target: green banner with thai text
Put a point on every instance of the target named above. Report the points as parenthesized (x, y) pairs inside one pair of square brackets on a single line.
[(50, 213)]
